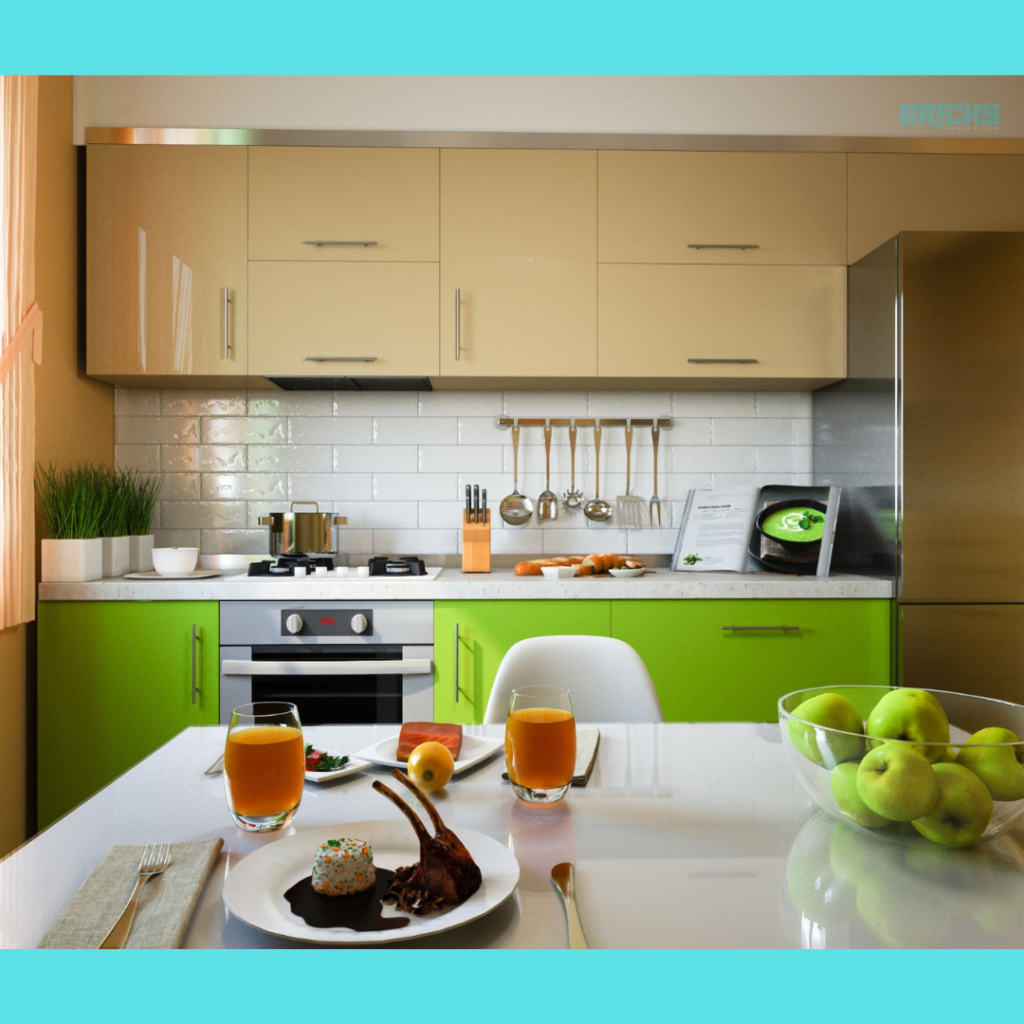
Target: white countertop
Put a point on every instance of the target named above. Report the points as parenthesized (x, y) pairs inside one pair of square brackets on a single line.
[(451, 584), (686, 836)]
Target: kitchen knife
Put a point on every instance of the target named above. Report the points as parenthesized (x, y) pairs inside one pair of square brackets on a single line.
[(469, 506), (476, 503), (483, 505)]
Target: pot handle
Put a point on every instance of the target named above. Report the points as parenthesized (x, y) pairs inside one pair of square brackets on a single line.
[(313, 503), (341, 520), (266, 521)]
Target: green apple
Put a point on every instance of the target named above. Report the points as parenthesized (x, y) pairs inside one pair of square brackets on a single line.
[(829, 711), (1000, 768), (950, 756), (897, 782), (915, 715), (962, 811), (844, 789)]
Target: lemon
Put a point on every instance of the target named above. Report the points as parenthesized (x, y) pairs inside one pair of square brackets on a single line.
[(431, 766)]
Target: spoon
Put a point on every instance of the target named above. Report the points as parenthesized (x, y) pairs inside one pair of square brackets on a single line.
[(547, 503), (572, 499), (597, 509), (515, 509), (563, 877)]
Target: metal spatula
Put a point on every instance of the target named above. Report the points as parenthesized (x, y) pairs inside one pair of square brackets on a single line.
[(630, 507), (515, 509)]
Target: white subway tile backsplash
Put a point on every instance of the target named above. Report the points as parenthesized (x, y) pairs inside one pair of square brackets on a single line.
[(323, 430), (174, 538), (397, 463)]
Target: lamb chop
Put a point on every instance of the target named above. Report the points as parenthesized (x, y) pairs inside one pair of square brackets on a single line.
[(445, 874)]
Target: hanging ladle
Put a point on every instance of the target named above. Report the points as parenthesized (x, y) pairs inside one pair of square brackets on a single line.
[(597, 509)]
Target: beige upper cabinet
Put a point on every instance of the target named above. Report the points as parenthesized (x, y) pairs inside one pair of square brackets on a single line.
[(166, 261), (519, 250), (358, 205), (678, 207), (890, 193), (727, 323)]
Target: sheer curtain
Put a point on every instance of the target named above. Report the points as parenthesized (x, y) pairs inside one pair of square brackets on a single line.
[(21, 330)]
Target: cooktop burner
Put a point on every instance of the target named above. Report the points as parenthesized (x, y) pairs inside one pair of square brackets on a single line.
[(285, 565), (397, 566)]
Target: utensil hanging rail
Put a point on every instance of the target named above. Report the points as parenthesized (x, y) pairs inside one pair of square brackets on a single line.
[(504, 422)]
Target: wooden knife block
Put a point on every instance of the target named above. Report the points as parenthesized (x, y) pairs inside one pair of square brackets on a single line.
[(476, 544)]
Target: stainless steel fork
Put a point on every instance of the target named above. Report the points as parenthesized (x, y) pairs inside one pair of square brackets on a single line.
[(156, 859), (655, 502)]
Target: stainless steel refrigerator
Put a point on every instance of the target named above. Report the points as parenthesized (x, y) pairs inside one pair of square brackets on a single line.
[(927, 439)]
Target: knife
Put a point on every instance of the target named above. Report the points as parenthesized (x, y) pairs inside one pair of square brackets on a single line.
[(469, 506), (563, 877), (483, 505), (476, 503)]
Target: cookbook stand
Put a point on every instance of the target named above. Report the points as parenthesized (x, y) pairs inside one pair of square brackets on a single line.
[(476, 544)]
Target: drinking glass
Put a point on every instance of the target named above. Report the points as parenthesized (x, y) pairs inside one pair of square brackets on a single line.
[(540, 743), (264, 765)]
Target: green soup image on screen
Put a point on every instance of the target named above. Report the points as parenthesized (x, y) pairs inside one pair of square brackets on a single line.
[(802, 525)]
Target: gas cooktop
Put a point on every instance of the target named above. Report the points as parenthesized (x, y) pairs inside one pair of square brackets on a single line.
[(321, 568)]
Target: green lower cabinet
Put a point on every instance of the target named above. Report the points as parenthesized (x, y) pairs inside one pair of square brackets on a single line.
[(115, 683), (706, 672), (483, 631)]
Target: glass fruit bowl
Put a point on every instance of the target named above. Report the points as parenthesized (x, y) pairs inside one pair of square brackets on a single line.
[(899, 763)]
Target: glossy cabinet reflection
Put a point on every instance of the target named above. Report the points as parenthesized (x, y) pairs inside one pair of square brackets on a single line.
[(166, 261)]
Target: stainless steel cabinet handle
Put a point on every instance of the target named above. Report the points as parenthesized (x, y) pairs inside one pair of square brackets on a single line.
[(759, 629), (195, 640), (225, 294), (340, 359), (456, 663), (401, 667), (710, 245), (723, 360), (458, 324), (322, 242)]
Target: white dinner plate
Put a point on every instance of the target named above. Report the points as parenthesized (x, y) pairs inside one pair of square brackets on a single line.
[(474, 750), (355, 764), (152, 574), (254, 889)]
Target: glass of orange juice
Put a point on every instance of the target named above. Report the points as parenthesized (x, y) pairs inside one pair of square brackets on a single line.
[(264, 765), (540, 743)]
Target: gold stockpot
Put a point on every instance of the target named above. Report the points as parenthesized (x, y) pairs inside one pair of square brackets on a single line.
[(302, 533)]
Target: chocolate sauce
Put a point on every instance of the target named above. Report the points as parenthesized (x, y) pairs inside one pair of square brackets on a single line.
[(361, 912)]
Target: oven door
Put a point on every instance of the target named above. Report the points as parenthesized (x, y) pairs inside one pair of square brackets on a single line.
[(332, 684)]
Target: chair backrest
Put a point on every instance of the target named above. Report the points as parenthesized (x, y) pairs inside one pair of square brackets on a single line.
[(606, 678)]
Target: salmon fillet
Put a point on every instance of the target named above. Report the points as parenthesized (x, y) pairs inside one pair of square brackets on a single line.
[(415, 733)]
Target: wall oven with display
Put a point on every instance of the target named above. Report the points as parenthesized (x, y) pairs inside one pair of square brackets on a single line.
[(339, 662)]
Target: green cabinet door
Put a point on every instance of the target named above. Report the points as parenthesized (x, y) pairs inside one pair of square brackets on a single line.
[(115, 683), (705, 671), (478, 634)]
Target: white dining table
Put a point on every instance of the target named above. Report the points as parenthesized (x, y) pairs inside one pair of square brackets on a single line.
[(686, 836)]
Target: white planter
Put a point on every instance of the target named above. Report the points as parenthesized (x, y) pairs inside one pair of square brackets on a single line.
[(115, 556), (72, 561), (140, 553)]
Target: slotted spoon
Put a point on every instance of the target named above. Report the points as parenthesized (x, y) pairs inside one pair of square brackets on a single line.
[(629, 507), (573, 498), (515, 509), (547, 503)]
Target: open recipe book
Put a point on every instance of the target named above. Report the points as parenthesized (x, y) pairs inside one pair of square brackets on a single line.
[(778, 528)]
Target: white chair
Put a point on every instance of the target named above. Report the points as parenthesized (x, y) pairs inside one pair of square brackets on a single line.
[(606, 678)]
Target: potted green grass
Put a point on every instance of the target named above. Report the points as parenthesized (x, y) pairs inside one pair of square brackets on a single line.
[(114, 525), (74, 506), (144, 493)]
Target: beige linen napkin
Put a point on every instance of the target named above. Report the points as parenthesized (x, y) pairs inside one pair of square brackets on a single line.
[(165, 907), (586, 754)]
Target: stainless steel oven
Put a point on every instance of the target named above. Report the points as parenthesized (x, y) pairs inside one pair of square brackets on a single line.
[(339, 662)]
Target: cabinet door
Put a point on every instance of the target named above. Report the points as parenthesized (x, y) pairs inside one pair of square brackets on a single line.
[(115, 683), (722, 322), (519, 246), (324, 319), (890, 193), (166, 231), (386, 199), (471, 638), (660, 207), (706, 672)]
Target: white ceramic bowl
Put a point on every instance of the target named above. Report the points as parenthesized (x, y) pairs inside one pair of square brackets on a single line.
[(626, 573), (175, 561), (559, 572)]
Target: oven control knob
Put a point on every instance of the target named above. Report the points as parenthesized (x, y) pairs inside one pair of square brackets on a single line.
[(293, 624), (359, 623)]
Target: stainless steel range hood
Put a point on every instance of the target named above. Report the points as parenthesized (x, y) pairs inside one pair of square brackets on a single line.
[(352, 383)]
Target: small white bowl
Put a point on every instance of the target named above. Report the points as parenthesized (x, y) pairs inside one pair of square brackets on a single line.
[(559, 572), (175, 561), (626, 573)]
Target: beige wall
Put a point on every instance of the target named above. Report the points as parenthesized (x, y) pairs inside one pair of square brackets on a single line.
[(74, 415)]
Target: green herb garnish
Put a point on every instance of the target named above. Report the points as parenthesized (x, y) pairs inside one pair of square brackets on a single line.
[(321, 761)]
